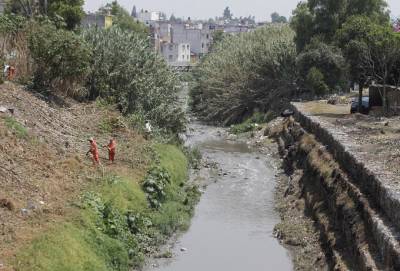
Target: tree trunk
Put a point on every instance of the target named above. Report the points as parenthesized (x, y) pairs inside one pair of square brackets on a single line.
[(385, 100), (360, 95)]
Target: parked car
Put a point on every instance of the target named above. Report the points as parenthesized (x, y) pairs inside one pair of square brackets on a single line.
[(365, 107)]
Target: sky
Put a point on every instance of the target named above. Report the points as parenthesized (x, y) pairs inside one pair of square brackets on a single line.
[(204, 9)]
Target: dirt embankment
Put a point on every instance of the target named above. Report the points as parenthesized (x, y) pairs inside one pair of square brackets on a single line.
[(43, 165), (343, 198)]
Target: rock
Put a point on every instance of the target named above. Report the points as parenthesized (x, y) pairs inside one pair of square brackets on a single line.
[(8, 204), (24, 211), (183, 249), (386, 124), (31, 205), (287, 113)]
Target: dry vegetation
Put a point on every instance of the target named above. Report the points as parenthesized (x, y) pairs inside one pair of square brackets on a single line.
[(44, 168)]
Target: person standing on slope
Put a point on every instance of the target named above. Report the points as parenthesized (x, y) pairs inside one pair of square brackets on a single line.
[(112, 146), (94, 151)]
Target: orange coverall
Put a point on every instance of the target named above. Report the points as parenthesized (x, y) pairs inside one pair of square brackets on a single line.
[(95, 152), (111, 150)]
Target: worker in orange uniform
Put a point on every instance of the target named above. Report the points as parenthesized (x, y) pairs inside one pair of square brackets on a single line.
[(112, 146), (94, 151)]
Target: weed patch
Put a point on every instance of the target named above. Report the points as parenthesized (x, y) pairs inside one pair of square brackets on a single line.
[(252, 123), (17, 128)]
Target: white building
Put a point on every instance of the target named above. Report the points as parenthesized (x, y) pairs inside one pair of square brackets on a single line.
[(2, 6), (176, 54), (149, 17)]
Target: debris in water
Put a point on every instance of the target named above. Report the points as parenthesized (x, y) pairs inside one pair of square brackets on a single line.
[(183, 249)]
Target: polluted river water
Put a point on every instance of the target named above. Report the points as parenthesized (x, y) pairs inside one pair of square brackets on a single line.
[(233, 225)]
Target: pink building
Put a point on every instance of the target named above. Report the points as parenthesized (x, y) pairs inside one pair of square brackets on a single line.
[(397, 26)]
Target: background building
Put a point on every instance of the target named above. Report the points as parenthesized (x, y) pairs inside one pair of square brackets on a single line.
[(93, 19), (149, 17), (2, 6)]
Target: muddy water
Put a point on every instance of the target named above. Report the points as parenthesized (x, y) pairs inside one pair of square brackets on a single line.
[(233, 224)]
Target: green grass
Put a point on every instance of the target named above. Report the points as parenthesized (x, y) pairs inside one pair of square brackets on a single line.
[(252, 123), (115, 226), (18, 129)]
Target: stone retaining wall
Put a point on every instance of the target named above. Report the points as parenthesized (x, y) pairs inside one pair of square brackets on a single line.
[(366, 176)]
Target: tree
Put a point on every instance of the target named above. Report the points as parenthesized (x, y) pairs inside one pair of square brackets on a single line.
[(315, 82), (245, 73), (327, 59), (331, 14), (134, 12), (372, 50), (227, 15), (276, 18), (61, 59), (125, 70), (70, 10), (324, 17), (217, 37), (302, 23)]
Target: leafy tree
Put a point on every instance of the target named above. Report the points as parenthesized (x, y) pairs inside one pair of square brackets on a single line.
[(302, 23), (373, 51), (331, 14), (276, 18), (70, 10), (327, 59), (61, 59), (134, 12), (227, 15), (217, 37), (245, 73), (126, 70), (324, 17), (315, 82)]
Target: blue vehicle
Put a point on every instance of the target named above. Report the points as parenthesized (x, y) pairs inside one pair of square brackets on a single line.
[(365, 107)]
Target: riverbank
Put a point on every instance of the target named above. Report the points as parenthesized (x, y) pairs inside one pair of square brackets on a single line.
[(351, 201), (60, 212)]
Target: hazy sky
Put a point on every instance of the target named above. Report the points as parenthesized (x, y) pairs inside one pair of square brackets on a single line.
[(203, 9)]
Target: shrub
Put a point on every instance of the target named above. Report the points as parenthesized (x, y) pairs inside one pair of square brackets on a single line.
[(315, 82), (18, 129), (125, 70), (61, 59), (154, 185)]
